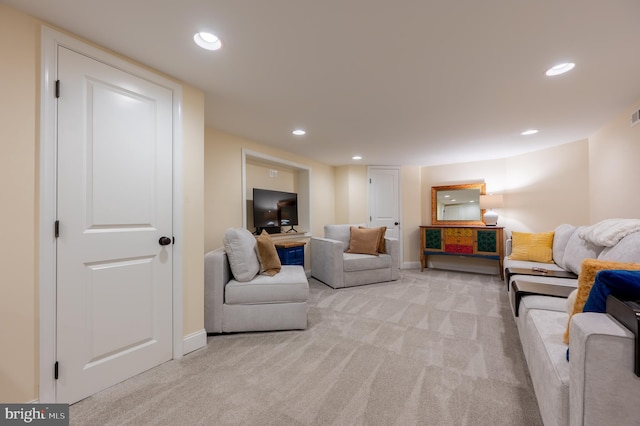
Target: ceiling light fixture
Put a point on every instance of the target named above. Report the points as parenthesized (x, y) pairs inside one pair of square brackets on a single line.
[(299, 132), (560, 69), (207, 41), (529, 132), (356, 157)]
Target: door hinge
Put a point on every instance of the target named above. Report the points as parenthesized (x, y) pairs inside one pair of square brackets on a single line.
[(56, 229), (369, 180), (57, 88), (55, 370)]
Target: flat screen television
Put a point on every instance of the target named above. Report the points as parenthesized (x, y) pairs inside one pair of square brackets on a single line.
[(274, 209)]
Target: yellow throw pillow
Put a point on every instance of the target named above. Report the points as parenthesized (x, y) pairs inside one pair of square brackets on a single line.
[(267, 255), (588, 271), (383, 231), (364, 240), (532, 247)]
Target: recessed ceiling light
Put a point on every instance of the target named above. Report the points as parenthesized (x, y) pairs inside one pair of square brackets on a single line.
[(356, 157), (529, 132), (560, 68), (299, 132), (207, 41)]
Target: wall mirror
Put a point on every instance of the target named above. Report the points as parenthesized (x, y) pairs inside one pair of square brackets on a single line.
[(457, 204)]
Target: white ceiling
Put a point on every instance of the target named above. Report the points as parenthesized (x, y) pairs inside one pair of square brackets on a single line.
[(405, 82)]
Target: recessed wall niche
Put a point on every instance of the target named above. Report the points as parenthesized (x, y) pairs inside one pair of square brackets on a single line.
[(269, 172)]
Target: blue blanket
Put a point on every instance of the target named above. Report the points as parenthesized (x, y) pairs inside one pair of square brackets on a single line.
[(624, 285)]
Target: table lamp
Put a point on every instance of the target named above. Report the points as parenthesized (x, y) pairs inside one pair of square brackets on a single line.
[(490, 202)]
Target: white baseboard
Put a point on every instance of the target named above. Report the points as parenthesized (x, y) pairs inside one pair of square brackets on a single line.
[(194, 341), (410, 265)]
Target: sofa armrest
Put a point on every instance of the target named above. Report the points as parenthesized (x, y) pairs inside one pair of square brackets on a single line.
[(217, 273), (327, 261), (392, 247), (603, 387)]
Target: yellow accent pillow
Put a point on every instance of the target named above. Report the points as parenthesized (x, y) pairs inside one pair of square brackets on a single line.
[(364, 240), (383, 231), (588, 271), (532, 247), (267, 255)]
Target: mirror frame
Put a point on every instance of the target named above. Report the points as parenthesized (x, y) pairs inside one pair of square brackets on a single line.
[(434, 203)]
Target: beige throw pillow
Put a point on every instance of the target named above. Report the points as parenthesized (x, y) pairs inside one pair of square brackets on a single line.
[(267, 255), (381, 245), (364, 240)]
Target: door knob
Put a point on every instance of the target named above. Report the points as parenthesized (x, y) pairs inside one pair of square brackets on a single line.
[(164, 241), (396, 223)]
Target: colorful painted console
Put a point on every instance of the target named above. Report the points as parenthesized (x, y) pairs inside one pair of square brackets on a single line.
[(473, 241)]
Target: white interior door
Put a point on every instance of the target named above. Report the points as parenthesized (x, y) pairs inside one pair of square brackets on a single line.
[(384, 199), (114, 278)]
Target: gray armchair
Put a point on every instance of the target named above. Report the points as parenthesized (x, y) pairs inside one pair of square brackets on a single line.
[(263, 303), (333, 266)]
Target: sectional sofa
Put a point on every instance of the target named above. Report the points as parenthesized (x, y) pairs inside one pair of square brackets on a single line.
[(596, 385)]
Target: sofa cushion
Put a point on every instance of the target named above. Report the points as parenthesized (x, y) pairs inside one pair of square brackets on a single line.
[(627, 250), (290, 285), (548, 366), (364, 240), (533, 247), (560, 239), (364, 262), (577, 250), (240, 246), (267, 255), (547, 303), (590, 267)]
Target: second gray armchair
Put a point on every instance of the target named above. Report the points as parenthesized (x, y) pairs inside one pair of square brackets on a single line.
[(334, 266)]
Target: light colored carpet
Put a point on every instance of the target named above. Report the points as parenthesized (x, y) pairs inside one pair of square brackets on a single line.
[(435, 348)]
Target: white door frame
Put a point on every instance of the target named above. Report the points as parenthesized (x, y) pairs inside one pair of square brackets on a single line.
[(50, 40)]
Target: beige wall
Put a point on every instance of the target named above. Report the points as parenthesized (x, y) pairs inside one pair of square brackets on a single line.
[(342, 194), (411, 193), (258, 176), (19, 44), (352, 194), (614, 154), (223, 185), (546, 188), (19, 169)]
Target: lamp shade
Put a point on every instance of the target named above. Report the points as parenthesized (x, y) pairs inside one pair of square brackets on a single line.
[(491, 201)]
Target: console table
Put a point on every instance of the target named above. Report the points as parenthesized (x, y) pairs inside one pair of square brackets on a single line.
[(473, 241)]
